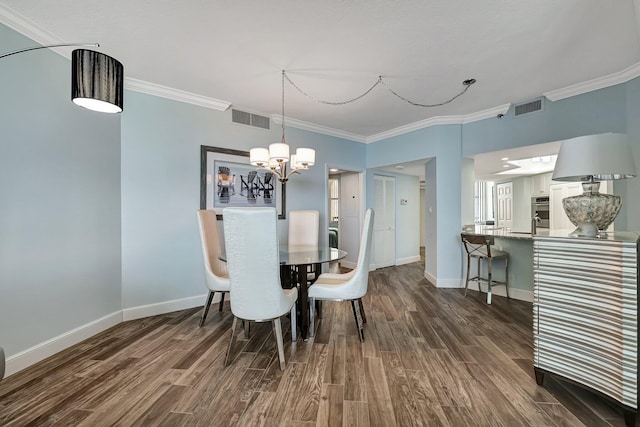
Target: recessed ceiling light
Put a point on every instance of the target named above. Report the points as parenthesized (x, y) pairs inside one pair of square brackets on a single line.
[(504, 158), (333, 170), (399, 167)]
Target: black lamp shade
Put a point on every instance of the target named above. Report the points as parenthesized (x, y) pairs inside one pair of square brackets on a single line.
[(97, 81)]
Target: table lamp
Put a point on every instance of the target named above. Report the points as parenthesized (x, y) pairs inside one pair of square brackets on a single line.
[(591, 159)]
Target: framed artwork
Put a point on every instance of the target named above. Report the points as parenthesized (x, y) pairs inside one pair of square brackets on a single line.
[(228, 179)]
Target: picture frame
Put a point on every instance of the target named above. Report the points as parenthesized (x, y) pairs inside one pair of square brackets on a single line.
[(228, 179)]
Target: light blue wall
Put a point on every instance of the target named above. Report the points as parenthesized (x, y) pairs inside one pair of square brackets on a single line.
[(595, 112), (70, 179), (443, 184), (629, 189), (60, 192), (161, 139), (604, 110)]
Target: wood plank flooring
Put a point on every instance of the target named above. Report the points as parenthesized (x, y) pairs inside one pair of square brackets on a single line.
[(431, 358)]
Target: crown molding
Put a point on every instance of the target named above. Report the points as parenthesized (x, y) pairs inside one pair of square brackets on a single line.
[(440, 120), (175, 94), (24, 26), (595, 84), (299, 124)]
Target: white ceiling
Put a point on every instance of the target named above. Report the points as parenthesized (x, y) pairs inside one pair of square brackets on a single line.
[(234, 51)]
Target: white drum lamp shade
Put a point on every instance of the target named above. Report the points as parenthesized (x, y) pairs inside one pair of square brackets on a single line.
[(279, 152), (591, 159), (259, 156), (306, 156)]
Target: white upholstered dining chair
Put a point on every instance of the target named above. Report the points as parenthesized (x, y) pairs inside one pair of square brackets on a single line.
[(351, 286), (251, 244), (215, 271), (304, 228)]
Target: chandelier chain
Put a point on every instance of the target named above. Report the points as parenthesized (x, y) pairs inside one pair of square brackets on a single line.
[(467, 84), (466, 87), (283, 75), (330, 102)]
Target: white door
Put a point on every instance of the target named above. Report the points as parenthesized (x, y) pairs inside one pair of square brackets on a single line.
[(557, 218), (384, 224), (349, 235), (505, 204)]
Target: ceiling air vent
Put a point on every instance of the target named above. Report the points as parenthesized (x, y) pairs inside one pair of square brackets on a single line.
[(250, 119), (528, 107)]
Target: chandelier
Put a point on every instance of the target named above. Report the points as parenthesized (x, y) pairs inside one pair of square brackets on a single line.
[(276, 157)]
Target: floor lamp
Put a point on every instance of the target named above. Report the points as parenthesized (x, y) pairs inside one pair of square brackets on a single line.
[(97, 80), (97, 83)]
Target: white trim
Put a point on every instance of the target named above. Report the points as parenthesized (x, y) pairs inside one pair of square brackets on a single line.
[(299, 124), (175, 94), (163, 307), (38, 352), (440, 120), (24, 26), (407, 260), (514, 293), (27, 28), (448, 283), (431, 278), (598, 83), (348, 264)]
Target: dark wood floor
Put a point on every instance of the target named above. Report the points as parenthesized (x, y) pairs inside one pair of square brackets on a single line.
[(431, 357)]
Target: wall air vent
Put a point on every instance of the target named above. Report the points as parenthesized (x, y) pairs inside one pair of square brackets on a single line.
[(528, 107), (250, 119)]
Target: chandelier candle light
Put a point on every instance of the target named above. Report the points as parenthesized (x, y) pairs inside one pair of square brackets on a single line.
[(275, 158)]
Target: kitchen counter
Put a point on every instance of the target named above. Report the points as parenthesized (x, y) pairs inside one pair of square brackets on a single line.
[(489, 230), (519, 245)]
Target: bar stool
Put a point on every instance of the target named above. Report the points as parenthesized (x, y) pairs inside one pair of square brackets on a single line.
[(480, 248)]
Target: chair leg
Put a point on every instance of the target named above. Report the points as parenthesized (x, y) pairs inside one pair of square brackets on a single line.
[(466, 283), (294, 323), (205, 310), (221, 301), (357, 315), (364, 316), (506, 275), (319, 309), (246, 325), (312, 306), (489, 281), (232, 341), (277, 331)]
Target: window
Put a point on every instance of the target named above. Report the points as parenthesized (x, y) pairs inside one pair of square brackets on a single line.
[(483, 201), (334, 199)]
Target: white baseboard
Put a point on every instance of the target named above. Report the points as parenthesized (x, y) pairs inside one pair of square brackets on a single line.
[(430, 277), (348, 264), (165, 307), (442, 283), (35, 354), (407, 260), (515, 293)]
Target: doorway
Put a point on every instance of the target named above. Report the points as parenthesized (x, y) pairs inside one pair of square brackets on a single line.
[(345, 191), (504, 192), (384, 224)]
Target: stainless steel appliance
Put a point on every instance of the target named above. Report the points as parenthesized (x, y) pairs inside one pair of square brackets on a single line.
[(540, 209)]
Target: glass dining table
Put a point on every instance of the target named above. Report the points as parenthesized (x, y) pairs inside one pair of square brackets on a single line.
[(294, 259)]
